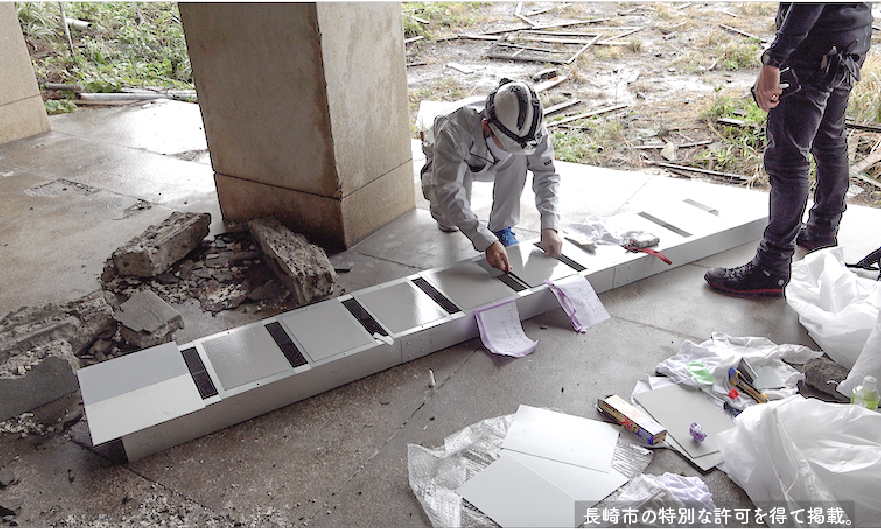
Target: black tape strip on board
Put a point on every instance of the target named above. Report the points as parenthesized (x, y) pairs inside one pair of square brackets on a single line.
[(288, 347), (200, 376), (663, 224), (364, 317), (438, 298)]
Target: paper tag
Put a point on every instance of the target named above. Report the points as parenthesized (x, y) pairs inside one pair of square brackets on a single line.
[(501, 331), (580, 301)]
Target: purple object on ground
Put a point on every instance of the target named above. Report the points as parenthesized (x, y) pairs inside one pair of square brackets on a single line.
[(697, 433)]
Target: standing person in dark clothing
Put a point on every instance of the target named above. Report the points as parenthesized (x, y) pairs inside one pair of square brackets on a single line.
[(804, 85)]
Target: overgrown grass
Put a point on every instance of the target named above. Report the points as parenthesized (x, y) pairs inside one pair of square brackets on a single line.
[(592, 144), (130, 44), (865, 99), (742, 148), (442, 17)]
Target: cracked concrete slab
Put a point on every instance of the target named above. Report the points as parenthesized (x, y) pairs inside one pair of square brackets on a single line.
[(161, 245), (301, 266)]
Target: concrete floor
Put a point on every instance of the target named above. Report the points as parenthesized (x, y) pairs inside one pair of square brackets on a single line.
[(103, 175)]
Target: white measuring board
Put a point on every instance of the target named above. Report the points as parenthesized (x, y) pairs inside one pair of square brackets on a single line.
[(232, 376)]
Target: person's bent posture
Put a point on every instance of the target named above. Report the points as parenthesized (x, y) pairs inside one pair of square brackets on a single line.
[(498, 141)]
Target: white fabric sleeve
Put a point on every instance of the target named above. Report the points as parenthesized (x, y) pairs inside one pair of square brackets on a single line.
[(545, 183), (448, 173)]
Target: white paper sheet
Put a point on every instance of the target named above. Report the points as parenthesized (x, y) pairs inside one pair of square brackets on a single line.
[(580, 301), (501, 331), (561, 437), (515, 496)]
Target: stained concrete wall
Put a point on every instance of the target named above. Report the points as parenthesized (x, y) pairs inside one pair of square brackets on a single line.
[(306, 113), (22, 112)]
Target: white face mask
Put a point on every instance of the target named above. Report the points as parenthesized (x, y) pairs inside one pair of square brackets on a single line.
[(499, 153)]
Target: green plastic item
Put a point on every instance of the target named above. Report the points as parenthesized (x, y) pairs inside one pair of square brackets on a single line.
[(701, 374)]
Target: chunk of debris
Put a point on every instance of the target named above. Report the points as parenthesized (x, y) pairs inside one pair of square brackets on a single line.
[(146, 320), (6, 478), (160, 246), (302, 267), (215, 296), (824, 375), (79, 323)]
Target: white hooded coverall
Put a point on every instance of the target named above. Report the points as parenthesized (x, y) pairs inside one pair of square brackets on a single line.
[(456, 154)]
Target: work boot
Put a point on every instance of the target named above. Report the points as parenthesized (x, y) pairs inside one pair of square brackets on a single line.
[(447, 229), (750, 279), (810, 240), (506, 237)]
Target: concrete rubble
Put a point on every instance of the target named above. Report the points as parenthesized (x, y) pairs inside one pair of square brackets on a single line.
[(160, 246), (146, 320), (303, 267), (79, 323)]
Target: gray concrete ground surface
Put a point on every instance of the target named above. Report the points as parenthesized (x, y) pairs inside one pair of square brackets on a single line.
[(103, 175)]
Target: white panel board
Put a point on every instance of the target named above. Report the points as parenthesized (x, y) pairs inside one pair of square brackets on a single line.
[(142, 408), (326, 329), (515, 496), (561, 437)]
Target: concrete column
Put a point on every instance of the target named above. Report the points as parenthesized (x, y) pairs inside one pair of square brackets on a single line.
[(306, 113), (22, 112)]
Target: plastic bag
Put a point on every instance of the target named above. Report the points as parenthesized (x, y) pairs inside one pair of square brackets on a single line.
[(722, 351), (837, 307), (868, 363), (669, 491), (797, 452)]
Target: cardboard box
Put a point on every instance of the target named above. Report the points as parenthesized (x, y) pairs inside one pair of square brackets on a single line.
[(633, 418)]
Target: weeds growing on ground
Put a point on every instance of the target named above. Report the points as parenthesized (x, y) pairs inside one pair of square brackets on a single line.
[(128, 44), (441, 17)]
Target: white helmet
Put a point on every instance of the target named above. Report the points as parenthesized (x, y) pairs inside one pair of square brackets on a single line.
[(514, 114)]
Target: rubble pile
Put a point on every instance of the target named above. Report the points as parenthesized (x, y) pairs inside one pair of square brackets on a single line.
[(222, 273)]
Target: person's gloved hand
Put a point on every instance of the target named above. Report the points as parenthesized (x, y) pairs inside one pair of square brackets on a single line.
[(551, 242), (767, 89), (497, 257)]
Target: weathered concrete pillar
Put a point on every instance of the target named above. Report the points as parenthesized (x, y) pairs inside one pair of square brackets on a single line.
[(306, 113), (22, 112)]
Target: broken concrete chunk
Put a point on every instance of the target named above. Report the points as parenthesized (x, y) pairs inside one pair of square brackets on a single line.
[(147, 320), (160, 246), (79, 323), (6, 478), (824, 375), (302, 267)]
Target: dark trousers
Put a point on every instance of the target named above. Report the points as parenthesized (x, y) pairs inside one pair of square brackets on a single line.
[(808, 121)]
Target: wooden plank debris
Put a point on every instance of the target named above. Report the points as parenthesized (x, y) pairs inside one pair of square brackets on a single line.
[(587, 115), (460, 67), (866, 127), (521, 16), (550, 83), (698, 170), (680, 146), (561, 106), (413, 39), (741, 32)]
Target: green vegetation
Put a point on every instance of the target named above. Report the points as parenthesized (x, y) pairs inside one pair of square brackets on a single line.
[(441, 18), (742, 150), (592, 144), (129, 44), (865, 99)]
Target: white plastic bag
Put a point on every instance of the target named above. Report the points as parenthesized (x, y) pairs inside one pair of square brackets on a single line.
[(800, 451), (837, 307), (868, 363)]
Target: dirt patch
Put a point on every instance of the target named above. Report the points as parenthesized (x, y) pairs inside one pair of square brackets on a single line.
[(676, 66)]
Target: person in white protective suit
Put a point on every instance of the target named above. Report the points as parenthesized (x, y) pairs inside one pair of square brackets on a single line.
[(497, 141)]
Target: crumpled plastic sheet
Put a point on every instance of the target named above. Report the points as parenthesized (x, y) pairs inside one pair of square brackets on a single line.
[(836, 306), (436, 474), (653, 493), (803, 451), (603, 231), (722, 351)]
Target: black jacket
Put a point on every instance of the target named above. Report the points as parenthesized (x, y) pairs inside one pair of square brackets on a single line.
[(806, 32)]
